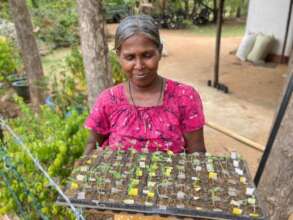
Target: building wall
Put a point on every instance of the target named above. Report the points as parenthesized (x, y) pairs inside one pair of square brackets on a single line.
[(270, 17)]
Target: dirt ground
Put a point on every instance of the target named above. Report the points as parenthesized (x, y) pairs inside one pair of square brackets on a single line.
[(248, 110)]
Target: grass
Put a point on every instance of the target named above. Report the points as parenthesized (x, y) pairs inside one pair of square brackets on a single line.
[(55, 60), (228, 30)]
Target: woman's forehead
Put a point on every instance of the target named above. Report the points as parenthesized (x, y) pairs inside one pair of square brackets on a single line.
[(139, 40)]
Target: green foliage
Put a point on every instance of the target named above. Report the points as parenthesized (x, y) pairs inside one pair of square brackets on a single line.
[(75, 64), (66, 91), (8, 61), (229, 30), (129, 3), (117, 72), (4, 10), (57, 22), (56, 140)]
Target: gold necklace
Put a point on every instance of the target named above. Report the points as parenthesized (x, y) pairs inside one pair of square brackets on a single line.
[(135, 106), (159, 99)]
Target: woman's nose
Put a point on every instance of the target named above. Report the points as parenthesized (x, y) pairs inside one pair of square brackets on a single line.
[(138, 63)]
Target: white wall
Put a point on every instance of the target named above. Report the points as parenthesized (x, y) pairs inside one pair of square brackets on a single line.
[(270, 17)]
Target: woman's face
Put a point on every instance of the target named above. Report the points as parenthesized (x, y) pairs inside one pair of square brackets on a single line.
[(139, 58)]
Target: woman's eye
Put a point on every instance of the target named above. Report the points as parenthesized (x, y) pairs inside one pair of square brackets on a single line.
[(129, 57), (148, 55)]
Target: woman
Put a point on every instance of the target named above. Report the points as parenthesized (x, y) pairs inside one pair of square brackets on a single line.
[(148, 112)]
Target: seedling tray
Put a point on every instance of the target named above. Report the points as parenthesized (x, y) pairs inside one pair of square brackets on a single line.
[(183, 185)]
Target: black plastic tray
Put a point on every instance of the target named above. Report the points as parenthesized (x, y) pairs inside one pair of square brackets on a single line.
[(178, 212)]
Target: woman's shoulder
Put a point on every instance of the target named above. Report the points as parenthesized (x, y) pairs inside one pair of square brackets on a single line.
[(179, 88), (111, 94)]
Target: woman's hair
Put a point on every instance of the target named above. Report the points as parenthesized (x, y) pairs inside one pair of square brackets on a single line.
[(132, 25)]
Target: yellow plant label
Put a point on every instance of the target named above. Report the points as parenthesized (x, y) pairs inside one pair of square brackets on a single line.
[(243, 179), (237, 211), (213, 175), (133, 192), (151, 194), (254, 215), (74, 185)]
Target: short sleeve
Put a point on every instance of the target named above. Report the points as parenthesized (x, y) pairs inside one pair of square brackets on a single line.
[(191, 111), (98, 120)]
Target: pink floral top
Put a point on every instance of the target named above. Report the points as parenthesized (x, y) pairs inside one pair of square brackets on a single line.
[(155, 128)]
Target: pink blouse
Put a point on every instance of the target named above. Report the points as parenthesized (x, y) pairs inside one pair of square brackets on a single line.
[(155, 128)]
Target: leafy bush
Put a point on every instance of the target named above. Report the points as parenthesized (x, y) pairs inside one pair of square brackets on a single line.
[(7, 29), (57, 22), (75, 63), (4, 10), (117, 72), (7, 58), (56, 140)]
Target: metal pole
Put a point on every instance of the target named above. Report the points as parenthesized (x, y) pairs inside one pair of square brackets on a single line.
[(218, 42), (286, 33), (275, 129)]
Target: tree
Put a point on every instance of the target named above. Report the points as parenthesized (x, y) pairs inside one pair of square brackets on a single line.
[(29, 49), (186, 8), (94, 47), (276, 182)]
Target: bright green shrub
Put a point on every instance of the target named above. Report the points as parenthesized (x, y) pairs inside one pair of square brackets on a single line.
[(7, 58), (75, 63), (117, 72), (56, 140), (57, 22)]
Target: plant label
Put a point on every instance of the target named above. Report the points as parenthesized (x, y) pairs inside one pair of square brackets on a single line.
[(236, 163), (239, 171), (250, 191), (234, 155), (81, 195)]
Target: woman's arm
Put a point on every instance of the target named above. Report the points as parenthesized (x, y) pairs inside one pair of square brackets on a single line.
[(195, 141), (93, 139)]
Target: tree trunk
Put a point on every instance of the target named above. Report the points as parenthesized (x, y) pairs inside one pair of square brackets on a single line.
[(29, 49), (94, 47), (276, 183)]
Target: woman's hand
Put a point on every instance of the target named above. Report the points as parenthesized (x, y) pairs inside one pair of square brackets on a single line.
[(195, 141)]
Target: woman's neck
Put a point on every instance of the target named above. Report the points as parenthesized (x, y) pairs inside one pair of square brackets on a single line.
[(154, 86), (146, 96)]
